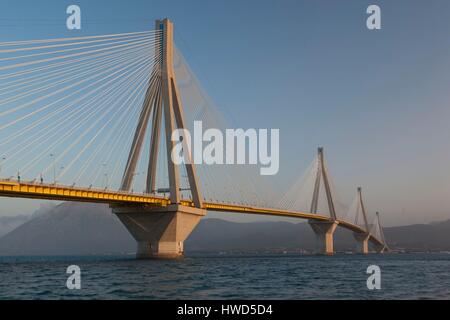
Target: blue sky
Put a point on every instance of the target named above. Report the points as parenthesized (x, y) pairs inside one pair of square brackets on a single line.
[(378, 101)]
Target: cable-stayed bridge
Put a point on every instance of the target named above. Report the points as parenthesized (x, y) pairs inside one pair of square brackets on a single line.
[(91, 119)]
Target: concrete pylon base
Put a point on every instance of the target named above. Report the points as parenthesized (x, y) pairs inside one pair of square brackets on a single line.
[(161, 231), (324, 231), (380, 248), (362, 240)]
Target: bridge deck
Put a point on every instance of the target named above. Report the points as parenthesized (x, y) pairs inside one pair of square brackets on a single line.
[(32, 190)]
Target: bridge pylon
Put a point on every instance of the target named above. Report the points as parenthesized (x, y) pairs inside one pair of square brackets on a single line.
[(161, 231), (361, 238), (381, 247), (324, 230)]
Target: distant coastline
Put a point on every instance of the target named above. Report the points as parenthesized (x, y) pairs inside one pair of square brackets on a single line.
[(88, 229)]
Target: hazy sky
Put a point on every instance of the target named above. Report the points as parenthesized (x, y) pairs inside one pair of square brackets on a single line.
[(378, 101)]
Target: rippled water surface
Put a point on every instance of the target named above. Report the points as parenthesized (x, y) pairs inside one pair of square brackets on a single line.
[(403, 276)]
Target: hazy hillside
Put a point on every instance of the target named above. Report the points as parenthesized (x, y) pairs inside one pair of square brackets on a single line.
[(434, 236), (75, 228), (70, 228), (8, 224)]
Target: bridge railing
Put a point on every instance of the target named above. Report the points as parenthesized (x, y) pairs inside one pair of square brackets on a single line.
[(74, 187)]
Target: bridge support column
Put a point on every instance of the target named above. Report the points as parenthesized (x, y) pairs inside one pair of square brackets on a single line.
[(380, 248), (362, 240), (160, 232), (324, 231)]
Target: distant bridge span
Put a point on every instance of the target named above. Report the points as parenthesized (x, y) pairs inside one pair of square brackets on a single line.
[(56, 192)]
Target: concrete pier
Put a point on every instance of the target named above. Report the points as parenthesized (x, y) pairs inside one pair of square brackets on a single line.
[(362, 240), (324, 231), (380, 248), (161, 231)]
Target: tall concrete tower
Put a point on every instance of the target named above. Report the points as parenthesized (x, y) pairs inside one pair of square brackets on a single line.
[(161, 231)]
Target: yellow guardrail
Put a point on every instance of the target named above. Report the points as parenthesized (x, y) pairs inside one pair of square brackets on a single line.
[(66, 193)]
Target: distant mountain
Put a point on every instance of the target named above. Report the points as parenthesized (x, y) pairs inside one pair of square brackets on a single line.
[(83, 229), (421, 237), (69, 228), (221, 235), (7, 224)]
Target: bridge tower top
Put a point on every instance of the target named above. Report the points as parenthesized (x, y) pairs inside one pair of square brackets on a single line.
[(166, 48), (322, 174), (363, 209), (163, 100)]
